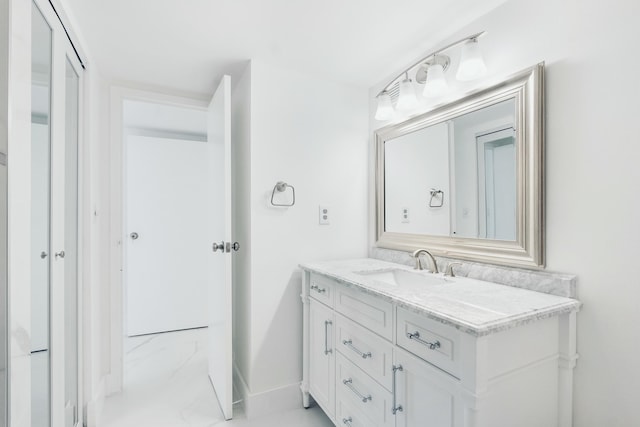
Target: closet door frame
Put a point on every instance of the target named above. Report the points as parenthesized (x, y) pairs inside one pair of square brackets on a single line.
[(62, 51)]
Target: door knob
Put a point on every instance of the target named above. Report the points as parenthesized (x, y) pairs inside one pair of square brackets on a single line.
[(218, 247), (134, 236), (43, 254), (59, 254), (235, 246)]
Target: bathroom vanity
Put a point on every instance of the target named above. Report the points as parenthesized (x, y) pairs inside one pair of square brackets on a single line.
[(387, 345)]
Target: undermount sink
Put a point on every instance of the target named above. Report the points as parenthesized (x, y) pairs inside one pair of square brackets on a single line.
[(400, 277)]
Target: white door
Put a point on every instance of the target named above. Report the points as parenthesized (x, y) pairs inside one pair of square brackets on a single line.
[(220, 266), (167, 238)]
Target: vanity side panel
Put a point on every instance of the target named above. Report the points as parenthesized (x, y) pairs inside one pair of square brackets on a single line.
[(304, 296), (525, 398), (522, 346)]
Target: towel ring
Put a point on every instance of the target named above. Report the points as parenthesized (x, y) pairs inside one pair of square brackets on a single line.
[(434, 195), (281, 187)]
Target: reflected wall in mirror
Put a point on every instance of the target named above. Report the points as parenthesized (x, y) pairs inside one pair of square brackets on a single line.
[(41, 49), (4, 327), (465, 180), (455, 178)]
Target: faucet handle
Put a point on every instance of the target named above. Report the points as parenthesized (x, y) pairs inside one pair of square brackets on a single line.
[(449, 271)]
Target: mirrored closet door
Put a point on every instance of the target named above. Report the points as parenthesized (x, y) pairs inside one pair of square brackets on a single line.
[(4, 328), (56, 88)]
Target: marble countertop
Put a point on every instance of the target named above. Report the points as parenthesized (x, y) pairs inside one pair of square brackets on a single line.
[(472, 306)]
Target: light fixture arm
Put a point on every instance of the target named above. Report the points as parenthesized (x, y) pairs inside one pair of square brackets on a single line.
[(432, 54)]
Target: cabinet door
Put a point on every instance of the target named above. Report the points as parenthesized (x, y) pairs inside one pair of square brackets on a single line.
[(322, 356), (427, 395)]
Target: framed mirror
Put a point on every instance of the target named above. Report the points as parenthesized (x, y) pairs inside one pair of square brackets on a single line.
[(465, 180)]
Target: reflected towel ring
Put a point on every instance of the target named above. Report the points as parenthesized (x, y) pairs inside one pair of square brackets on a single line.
[(281, 187), (434, 194)]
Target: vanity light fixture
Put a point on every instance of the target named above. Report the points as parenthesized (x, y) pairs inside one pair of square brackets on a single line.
[(407, 100), (385, 107), (430, 72), (471, 63), (435, 84)]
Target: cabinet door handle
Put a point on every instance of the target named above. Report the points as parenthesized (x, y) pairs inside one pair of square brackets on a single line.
[(395, 407), (318, 289), (327, 350), (349, 383), (347, 421), (349, 344), (416, 337)]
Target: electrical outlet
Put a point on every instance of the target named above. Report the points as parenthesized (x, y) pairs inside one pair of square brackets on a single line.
[(405, 215), (324, 215)]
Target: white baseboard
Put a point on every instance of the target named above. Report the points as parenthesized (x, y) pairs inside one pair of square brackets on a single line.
[(259, 404), (94, 407)]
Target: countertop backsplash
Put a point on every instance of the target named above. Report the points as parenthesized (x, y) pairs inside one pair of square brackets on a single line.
[(559, 284)]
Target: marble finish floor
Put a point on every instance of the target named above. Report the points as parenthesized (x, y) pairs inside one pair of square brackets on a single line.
[(40, 389), (166, 384)]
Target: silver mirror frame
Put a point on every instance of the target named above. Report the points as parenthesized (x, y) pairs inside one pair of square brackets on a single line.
[(527, 87)]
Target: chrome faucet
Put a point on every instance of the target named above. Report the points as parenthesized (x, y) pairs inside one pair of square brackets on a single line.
[(418, 266)]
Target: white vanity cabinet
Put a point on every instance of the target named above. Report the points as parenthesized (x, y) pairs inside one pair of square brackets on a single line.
[(425, 396), (321, 326), (371, 361)]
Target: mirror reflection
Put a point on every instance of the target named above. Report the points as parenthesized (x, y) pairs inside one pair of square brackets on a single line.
[(455, 178), (40, 208), (71, 244), (3, 286)]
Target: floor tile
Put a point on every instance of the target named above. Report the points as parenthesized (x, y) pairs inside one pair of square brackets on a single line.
[(166, 384)]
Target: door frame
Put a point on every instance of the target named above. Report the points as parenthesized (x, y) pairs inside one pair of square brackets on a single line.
[(481, 141), (119, 94)]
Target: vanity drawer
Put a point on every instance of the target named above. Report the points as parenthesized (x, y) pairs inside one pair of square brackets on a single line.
[(365, 349), (348, 415), (361, 392), (322, 288), (432, 341), (373, 313)]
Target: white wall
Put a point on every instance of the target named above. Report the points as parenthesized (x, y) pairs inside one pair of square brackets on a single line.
[(311, 133), (592, 199), (96, 271), (466, 174), (15, 96)]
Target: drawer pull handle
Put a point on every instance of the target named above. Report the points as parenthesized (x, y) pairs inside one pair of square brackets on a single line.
[(349, 344), (347, 421), (318, 289), (349, 383), (327, 350), (416, 336), (395, 407)]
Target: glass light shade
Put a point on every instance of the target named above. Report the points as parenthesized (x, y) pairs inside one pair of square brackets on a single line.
[(471, 63), (407, 99), (385, 109), (436, 84)]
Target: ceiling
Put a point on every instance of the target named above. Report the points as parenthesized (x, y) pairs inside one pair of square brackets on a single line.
[(187, 45)]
